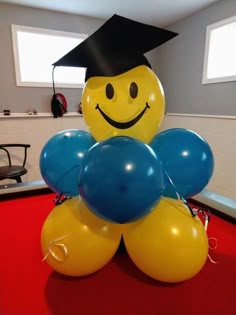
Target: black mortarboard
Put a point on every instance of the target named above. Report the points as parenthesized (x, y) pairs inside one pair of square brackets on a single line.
[(116, 47)]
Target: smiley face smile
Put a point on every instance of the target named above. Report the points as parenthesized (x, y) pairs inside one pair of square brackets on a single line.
[(124, 125)]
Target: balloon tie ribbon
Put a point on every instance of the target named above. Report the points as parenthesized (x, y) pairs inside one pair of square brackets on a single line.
[(178, 195), (206, 217), (55, 243), (194, 212), (60, 198)]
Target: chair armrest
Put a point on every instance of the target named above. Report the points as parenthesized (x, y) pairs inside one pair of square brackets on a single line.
[(17, 145), (8, 145)]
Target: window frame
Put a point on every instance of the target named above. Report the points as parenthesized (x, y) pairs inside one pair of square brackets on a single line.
[(14, 29), (210, 28)]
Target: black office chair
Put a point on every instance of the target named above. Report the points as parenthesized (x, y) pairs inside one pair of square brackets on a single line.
[(11, 171)]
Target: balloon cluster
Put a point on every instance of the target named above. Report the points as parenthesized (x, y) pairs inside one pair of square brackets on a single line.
[(123, 187)]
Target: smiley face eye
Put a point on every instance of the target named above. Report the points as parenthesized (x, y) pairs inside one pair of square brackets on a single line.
[(109, 91), (133, 90)]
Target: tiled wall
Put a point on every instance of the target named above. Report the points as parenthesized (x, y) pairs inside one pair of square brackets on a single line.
[(220, 133)]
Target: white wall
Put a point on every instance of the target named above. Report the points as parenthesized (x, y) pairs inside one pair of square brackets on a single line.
[(220, 133), (36, 131)]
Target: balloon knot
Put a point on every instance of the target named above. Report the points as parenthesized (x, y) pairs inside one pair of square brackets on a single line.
[(55, 244)]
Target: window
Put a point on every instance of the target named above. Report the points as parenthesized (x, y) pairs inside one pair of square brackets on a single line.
[(220, 52), (36, 49)]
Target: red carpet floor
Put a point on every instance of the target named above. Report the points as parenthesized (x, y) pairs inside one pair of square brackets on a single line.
[(29, 286)]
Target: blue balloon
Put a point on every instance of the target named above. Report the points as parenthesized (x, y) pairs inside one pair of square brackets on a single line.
[(60, 160), (121, 179), (187, 159)]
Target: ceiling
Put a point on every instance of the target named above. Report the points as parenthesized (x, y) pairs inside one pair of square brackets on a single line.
[(155, 12)]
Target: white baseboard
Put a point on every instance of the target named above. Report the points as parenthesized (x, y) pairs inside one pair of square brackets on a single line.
[(213, 200), (218, 202), (21, 187)]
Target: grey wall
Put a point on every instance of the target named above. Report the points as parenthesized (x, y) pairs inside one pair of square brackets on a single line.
[(179, 66), (23, 99), (178, 63)]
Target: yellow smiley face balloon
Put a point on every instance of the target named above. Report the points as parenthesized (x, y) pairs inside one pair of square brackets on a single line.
[(130, 104)]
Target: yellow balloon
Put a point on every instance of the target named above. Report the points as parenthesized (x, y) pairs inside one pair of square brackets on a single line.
[(169, 244), (75, 242), (130, 104)]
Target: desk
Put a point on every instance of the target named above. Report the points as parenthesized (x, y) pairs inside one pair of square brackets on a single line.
[(29, 286)]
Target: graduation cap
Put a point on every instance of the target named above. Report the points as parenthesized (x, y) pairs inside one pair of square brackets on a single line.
[(117, 46)]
